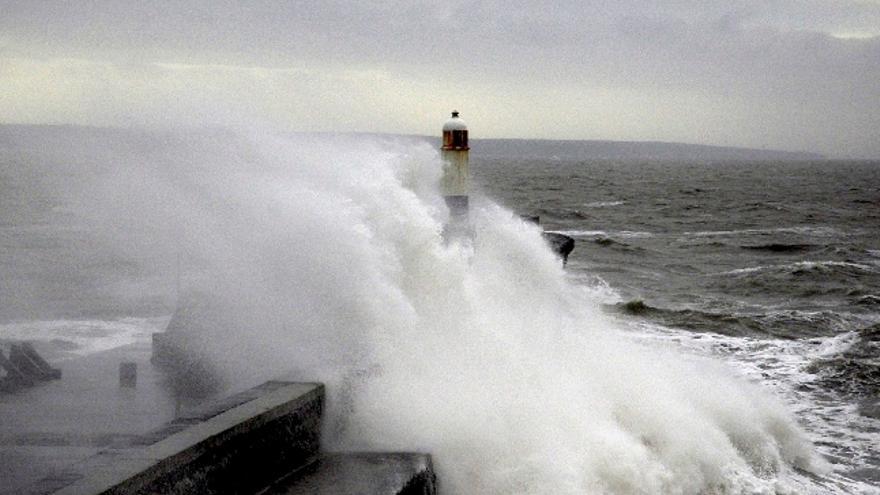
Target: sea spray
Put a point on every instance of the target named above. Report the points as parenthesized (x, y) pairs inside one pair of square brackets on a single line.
[(528, 389), (327, 259)]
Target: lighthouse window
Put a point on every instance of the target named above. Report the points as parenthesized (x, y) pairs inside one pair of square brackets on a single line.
[(459, 139)]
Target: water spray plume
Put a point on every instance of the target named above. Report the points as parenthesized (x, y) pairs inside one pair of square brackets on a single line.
[(328, 258)]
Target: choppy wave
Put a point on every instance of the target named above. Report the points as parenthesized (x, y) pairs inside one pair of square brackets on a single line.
[(604, 204), (855, 368), (615, 244), (565, 213), (784, 323), (330, 258), (844, 432), (778, 247), (819, 231), (479, 351), (868, 300), (802, 267), (847, 362), (631, 234)]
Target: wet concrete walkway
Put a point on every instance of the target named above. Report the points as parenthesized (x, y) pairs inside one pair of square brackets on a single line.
[(86, 434), (55, 424)]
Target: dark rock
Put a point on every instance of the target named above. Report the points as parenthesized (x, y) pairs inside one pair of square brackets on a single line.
[(25, 362), (561, 244)]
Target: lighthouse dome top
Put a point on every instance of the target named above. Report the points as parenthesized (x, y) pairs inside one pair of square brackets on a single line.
[(455, 123)]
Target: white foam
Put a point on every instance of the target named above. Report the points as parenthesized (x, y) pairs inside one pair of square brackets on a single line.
[(799, 265), (820, 231), (603, 204), (331, 261), (582, 233), (742, 271), (845, 436), (634, 234), (592, 286), (834, 345), (601, 233)]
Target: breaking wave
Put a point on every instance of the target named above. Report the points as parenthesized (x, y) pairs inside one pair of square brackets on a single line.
[(800, 369), (329, 261), (601, 233), (804, 267), (788, 324), (855, 368)]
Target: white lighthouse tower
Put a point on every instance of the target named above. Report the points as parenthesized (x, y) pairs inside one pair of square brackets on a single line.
[(455, 168)]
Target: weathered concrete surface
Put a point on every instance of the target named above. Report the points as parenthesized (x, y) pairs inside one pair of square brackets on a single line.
[(234, 446), (47, 428), (362, 473), (86, 435)]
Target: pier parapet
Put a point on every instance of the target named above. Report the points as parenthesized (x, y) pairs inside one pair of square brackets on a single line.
[(264, 440)]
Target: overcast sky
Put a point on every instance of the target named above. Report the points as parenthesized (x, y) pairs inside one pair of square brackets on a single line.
[(785, 74)]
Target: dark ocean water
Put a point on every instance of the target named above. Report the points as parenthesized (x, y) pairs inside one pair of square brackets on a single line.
[(787, 250), (774, 267)]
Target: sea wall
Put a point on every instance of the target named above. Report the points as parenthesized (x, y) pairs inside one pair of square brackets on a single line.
[(237, 445), (263, 440)]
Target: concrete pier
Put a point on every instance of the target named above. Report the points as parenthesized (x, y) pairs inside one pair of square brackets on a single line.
[(235, 446), (86, 435), (265, 440), (46, 428)]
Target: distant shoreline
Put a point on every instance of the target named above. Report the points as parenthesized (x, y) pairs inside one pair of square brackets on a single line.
[(488, 148)]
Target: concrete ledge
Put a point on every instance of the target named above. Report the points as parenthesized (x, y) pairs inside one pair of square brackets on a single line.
[(362, 473), (239, 445)]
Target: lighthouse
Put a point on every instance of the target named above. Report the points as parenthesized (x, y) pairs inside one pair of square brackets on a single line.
[(455, 168)]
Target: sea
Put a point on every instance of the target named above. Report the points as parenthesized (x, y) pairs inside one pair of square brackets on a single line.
[(715, 330), (772, 267)]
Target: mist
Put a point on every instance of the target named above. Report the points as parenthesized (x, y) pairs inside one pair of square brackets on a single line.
[(169, 159), (322, 259)]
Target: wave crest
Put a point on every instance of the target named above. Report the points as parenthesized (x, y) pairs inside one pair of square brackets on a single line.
[(330, 259)]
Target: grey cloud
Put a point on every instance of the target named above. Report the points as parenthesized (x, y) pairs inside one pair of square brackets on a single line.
[(755, 55), (381, 29)]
